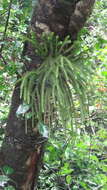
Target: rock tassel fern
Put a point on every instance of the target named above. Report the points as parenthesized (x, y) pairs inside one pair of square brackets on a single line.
[(54, 83)]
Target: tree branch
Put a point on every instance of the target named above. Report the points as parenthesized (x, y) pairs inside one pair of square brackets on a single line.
[(82, 11), (6, 25), (3, 59)]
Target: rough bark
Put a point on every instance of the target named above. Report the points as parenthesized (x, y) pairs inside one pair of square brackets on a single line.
[(23, 152)]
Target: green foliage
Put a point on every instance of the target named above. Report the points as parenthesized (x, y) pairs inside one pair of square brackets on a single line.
[(83, 152), (52, 85), (75, 165), (43, 130), (75, 158), (4, 178), (10, 56), (7, 170), (9, 188)]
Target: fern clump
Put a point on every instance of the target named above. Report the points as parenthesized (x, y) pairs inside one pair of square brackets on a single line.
[(52, 86)]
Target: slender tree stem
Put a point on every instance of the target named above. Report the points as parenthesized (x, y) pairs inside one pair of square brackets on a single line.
[(6, 25)]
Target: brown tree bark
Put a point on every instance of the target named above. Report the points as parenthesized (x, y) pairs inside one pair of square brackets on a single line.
[(24, 151)]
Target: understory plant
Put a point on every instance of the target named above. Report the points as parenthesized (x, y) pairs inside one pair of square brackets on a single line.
[(75, 163)]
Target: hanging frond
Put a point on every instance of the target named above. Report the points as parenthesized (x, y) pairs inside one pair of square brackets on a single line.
[(55, 82)]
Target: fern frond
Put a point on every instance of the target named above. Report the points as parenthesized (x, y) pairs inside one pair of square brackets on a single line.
[(55, 83)]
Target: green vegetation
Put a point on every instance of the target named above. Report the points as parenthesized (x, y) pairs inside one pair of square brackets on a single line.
[(71, 91), (57, 80)]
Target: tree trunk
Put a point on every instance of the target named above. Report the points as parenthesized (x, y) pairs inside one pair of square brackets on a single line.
[(21, 150)]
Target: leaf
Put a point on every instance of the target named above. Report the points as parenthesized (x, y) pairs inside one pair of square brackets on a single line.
[(66, 169), (84, 185), (7, 170), (22, 109), (104, 73), (82, 145), (93, 157), (3, 178), (104, 168), (9, 188), (43, 130), (68, 152), (68, 179)]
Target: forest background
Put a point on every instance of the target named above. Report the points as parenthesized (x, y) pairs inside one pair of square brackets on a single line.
[(76, 155)]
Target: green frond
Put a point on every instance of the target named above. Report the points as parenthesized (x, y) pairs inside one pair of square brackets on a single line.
[(55, 84)]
